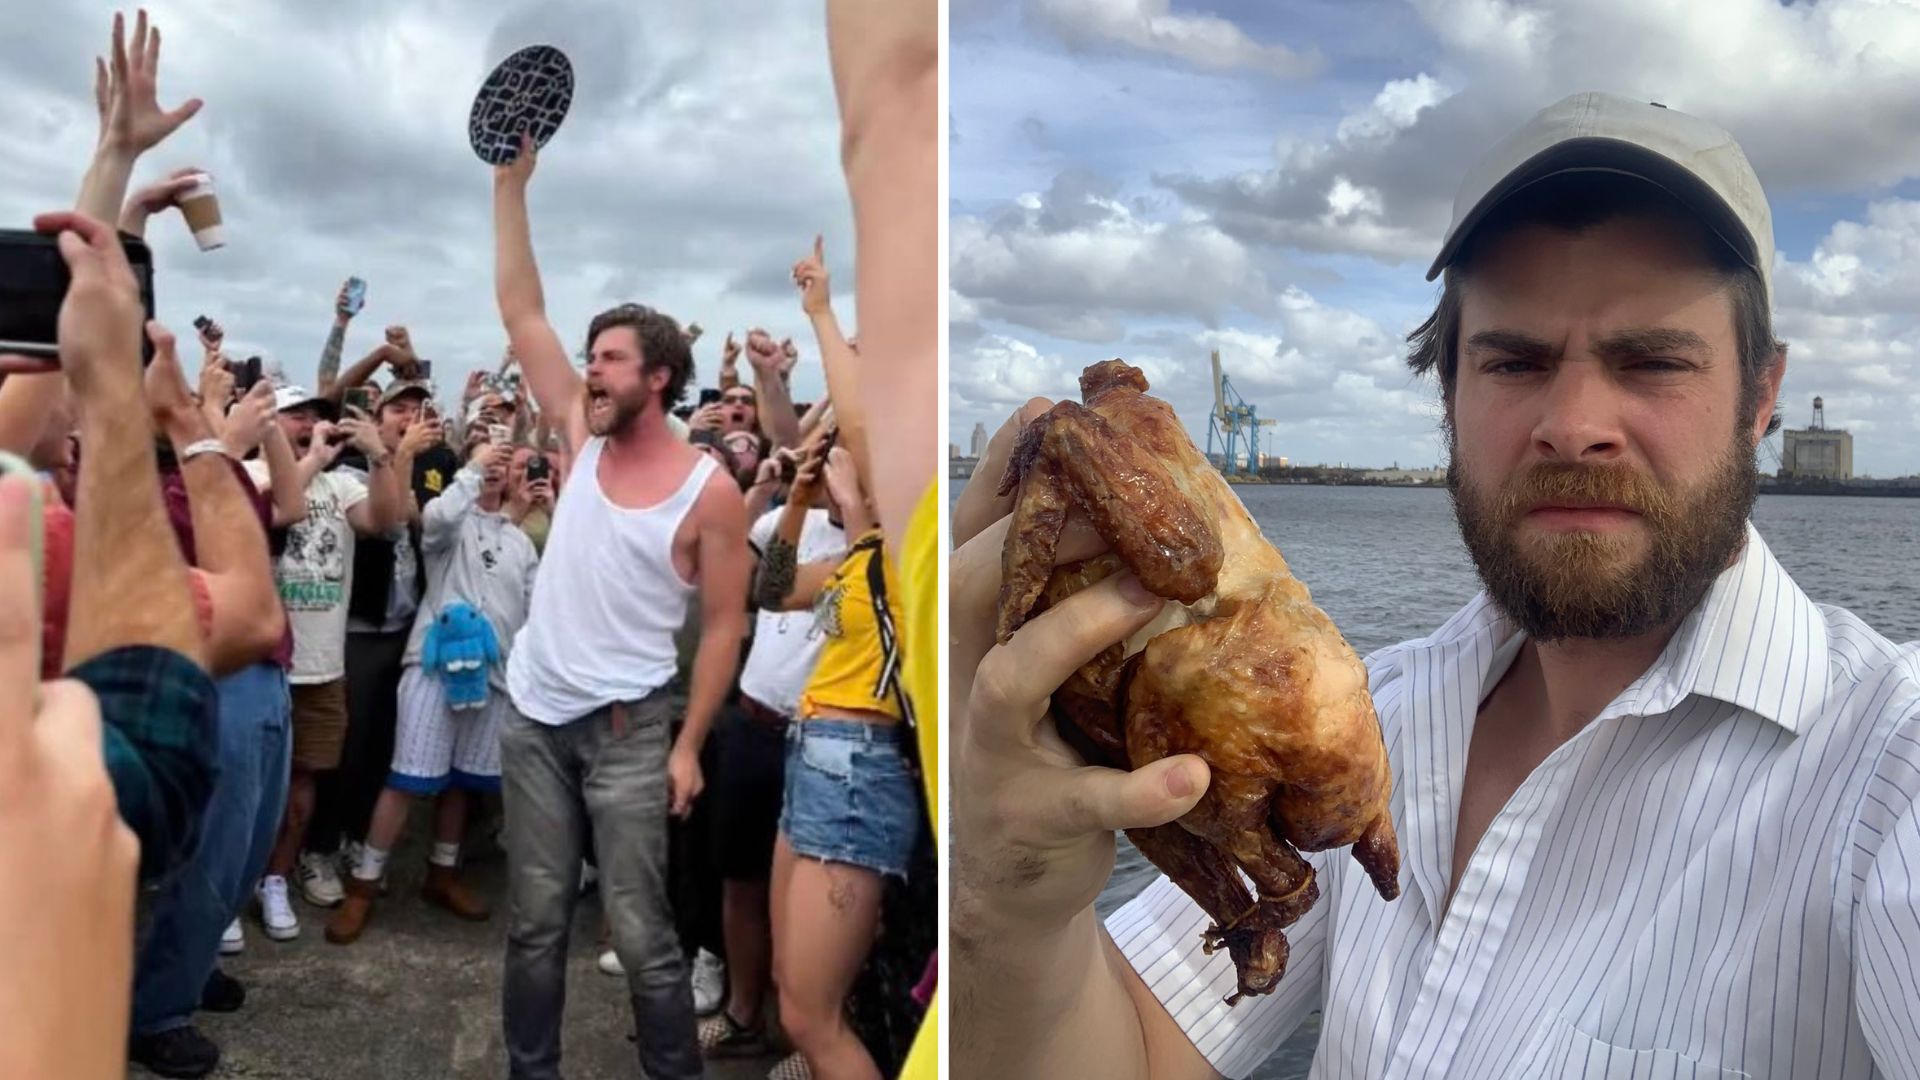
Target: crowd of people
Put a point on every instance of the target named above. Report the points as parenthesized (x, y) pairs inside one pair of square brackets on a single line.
[(655, 645)]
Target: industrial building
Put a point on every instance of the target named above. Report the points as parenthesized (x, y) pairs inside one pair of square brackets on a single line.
[(1818, 452)]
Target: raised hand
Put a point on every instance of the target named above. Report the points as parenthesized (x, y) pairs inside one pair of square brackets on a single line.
[(517, 172), (323, 448), (707, 417), (126, 91), (810, 274), (100, 320), (762, 352), (216, 381), (342, 307), (729, 351), (250, 421), (211, 335), (175, 414), (843, 478), (364, 436), (420, 435), (155, 198)]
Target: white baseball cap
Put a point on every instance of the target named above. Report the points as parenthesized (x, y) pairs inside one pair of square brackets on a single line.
[(292, 397), (1696, 162)]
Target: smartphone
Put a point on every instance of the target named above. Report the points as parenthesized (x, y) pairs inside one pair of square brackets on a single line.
[(538, 468), (361, 397), (33, 285), (709, 395), (499, 434), (201, 322), (426, 370), (246, 373), (356, 295)]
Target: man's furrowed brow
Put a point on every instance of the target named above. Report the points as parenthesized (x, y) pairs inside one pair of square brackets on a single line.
[(1653, 341), (1511, 343)]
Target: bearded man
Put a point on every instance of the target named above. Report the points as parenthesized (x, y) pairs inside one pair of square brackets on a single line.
[(1660, 812), (643, 524)]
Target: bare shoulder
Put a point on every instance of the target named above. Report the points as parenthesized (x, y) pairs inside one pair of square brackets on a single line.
[(721, 504)]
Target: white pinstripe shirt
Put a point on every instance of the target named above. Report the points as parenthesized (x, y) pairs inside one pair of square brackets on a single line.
[(1718, 877)]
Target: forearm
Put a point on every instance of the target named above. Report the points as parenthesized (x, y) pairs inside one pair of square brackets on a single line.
[(135, 589), (773, 575), (1039, 1001), (403, 479), (285, 480), (843, 384), (715, 663), (886, 73), (104, 188), (357, 375), (385, 496), (759, 497), (330, 356), (516, 275), (231, 548), (775, 401)]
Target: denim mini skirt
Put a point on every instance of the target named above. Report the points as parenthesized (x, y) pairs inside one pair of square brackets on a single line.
[(850, 797)]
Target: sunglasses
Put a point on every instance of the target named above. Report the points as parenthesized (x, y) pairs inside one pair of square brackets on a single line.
[(737, 399)]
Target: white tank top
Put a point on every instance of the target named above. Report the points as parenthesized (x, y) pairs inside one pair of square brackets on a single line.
[(607, 602)]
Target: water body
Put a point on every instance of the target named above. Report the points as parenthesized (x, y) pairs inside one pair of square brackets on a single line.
[(1387, 564)]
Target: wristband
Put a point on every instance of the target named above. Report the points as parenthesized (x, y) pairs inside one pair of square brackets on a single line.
[(204, 446)]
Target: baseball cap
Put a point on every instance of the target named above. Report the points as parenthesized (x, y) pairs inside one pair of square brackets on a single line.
[(402, 387), (292, 397), (1695, 161)]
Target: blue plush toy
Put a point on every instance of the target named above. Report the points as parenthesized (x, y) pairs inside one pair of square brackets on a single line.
[(459, 648)]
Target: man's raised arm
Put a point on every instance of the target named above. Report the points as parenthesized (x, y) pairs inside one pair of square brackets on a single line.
[(523, 304)]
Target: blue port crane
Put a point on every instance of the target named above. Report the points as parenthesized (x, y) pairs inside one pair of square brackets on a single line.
[(1233, 427)]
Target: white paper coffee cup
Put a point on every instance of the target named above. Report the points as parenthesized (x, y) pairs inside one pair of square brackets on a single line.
[(201, 207)]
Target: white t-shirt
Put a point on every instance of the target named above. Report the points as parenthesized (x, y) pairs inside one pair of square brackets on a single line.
[(315, 574), (786, 644)]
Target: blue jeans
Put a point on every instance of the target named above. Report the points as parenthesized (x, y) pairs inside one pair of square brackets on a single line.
[(850, 797), (182, 943)]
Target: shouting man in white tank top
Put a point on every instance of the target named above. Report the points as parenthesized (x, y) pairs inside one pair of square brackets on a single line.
[(644, 524)]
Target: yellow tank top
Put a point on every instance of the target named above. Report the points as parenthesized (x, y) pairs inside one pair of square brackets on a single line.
[(859, 663), (920, 617)]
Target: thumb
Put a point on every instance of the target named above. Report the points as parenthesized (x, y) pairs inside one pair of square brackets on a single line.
[(819, 248), (1094, 799)]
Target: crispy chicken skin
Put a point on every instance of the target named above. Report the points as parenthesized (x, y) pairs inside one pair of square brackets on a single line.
[(1241, 668)]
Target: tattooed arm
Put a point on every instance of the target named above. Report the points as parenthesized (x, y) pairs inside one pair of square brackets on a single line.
[(781, 582), (336, 340)]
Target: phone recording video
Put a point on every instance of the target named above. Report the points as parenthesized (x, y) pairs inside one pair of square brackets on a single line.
[(33, 285), (538, 468)]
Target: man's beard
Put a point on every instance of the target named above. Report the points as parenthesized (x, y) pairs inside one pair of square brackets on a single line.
[(616, 420), (1584, 584)]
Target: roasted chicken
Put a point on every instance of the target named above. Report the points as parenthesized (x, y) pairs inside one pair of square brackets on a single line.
[(1241, 668)]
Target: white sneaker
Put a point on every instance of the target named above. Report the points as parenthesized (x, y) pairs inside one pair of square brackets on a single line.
[(350, 862), (276, 912), (709, 983), (319, 881), (233, 941), (589, 877), (610, 964)]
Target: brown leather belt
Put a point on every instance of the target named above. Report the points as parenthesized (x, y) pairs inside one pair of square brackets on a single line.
[(771, 719)]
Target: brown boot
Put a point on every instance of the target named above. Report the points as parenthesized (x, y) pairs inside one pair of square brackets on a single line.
[(350, 918), (443, 888)]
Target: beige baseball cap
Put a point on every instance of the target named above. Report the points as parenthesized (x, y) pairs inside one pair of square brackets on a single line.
[(1695, 161)]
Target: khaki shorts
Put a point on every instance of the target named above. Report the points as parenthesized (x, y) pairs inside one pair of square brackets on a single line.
[(319, 724)]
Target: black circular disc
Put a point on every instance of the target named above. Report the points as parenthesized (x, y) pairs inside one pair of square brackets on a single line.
[(531, 91)]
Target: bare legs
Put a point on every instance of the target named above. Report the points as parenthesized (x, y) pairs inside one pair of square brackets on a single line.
[(824, 918)]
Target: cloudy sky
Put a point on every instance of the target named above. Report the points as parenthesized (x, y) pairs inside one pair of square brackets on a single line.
[(1154, 180), (700, 158)]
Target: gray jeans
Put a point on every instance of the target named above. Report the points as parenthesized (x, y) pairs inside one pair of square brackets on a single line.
[(554, 780)]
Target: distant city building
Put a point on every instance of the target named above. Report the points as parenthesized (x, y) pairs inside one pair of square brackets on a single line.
[(953, 450), (979, 441), (1817, 452)]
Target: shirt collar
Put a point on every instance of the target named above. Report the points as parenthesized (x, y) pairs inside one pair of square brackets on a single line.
[(1755, 641)]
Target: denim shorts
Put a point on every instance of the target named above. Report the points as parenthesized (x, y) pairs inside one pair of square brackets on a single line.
[(850, 797)]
